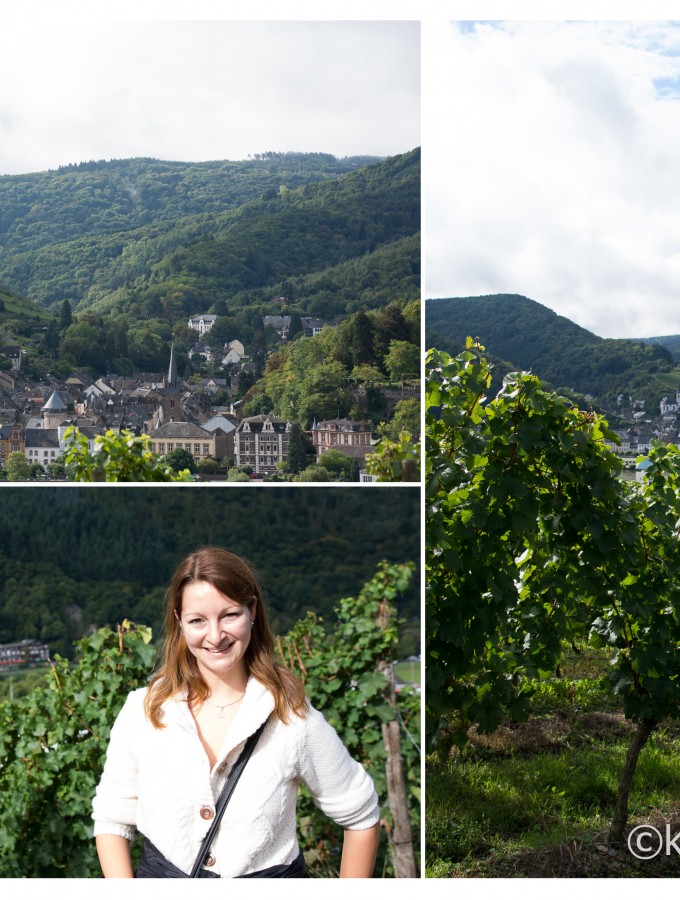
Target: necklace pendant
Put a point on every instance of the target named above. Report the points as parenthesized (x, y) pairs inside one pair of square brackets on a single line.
[(220, 714)]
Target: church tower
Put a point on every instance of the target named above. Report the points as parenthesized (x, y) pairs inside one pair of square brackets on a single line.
[(171, 410)]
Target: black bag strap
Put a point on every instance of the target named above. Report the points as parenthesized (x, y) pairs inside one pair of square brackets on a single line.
[(224, 798)]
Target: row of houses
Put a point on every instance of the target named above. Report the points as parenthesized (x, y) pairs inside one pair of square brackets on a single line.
[(281, 324), (173, 417), (24, 653)]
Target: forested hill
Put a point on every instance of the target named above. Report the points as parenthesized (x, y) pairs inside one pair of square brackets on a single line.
[(670, 341), (177, 238), (116, 196), (73, 559), (532, 337)]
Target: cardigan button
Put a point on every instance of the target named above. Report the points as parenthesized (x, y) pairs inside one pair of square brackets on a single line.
[(207, 812), (209, 860)]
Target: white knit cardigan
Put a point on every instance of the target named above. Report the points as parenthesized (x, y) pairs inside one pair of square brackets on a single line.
[(158, 782)]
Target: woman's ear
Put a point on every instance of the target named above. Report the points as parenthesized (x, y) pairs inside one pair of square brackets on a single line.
[(252, 606)]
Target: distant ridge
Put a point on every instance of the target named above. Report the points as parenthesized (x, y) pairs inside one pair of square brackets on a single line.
[(532, 337)]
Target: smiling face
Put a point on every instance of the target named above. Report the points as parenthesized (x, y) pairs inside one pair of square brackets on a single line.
[(217, 632)]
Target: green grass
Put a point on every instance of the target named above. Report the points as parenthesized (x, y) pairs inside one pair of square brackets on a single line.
[(408, 672), (483, 811), (535, 799)]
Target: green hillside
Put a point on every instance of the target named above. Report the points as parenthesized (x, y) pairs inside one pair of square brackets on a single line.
[(532, 337), (670, 341), (22, 321), (75, 558), (104, 235)]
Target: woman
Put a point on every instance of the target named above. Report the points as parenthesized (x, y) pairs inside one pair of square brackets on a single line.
[(175, 741)]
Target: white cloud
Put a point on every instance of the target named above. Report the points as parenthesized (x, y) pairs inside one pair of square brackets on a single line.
[(551, 168), (92, 87)]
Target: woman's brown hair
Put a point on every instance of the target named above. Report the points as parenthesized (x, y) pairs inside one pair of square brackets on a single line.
[(178, 671)]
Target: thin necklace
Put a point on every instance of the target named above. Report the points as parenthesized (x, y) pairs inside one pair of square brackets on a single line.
[(220, 715)]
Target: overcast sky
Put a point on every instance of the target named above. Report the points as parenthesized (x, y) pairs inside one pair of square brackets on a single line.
[(81, 87), (552, 168)]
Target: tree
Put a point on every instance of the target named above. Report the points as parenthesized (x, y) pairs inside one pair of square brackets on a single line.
[(296, 327), (56, 470), (403, 360), (65, 315), (361, 334), (207, 466), (180, 460), (81, 342), (340, 466), (297, 450), (314, 473), (17, 467), (51, 339), (533, 542), (237, 475), (406, 417), (115, 457)]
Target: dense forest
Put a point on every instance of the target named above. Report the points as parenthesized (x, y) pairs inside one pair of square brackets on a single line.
[(77, 558), (170, 240), (564, 355), (670, 341)]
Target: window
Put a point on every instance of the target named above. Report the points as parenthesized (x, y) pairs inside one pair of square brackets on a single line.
[(171, 446), (161, 448), (206, 449), (197, 449)]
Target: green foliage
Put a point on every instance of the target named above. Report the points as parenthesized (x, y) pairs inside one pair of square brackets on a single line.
[(170, 236), (297, 450), (403, 360), (17, 467), (531, 541), (180, 460), (406, 418), (334, 374), (341, 674), (116, 457), (52, 748), (395, 460)]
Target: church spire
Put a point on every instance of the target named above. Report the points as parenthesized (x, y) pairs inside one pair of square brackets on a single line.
[(172, 368)]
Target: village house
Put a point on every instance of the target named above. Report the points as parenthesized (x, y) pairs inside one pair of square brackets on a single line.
[(348, 437), (260, 442), (13, 353), (223, 430), (202, 324), (11, 441), (280, 324), (183, 435), (312, 327), (41, 445), (669, 406)]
